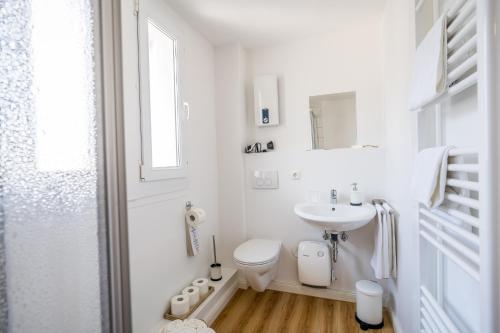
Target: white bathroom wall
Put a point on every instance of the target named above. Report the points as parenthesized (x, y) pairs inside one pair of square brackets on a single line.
[(270, 212), (347, 59), (159, 265), (231, 133), (401, 147), (372, 59)]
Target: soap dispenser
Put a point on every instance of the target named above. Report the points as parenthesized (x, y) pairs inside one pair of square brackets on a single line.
[(356, 195)]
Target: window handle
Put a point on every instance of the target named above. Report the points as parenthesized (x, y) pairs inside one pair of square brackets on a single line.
[(186, 110)]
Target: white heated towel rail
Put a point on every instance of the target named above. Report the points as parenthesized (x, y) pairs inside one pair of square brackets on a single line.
[(452, 231), (462, 46), (461, 39)]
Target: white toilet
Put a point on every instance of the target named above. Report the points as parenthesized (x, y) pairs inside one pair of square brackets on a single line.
[(258, 260)]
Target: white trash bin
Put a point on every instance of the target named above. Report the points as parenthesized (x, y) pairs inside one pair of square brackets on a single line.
[(369, 313)]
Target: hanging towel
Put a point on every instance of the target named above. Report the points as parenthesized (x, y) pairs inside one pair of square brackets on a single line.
[(377, 261), (429, 176), (429, 71), (386, 246), (383, 260), (391, 221)]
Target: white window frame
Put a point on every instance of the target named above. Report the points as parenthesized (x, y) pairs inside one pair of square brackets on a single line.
[(148, 173)]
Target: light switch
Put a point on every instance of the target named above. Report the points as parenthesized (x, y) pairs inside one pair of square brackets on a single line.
[(265, 179)]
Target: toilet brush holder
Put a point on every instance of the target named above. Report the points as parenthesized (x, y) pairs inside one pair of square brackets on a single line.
[(216, 272), (215, 268)]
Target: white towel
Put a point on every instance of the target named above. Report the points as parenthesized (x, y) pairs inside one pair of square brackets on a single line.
[(391, 221), (186, 326), (383, 261), (185, 330), (172, 326), (429, 176), (377, 259), (195, 323), (429, 71)]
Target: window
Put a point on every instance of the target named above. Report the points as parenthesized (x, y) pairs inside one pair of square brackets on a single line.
[(162, 156), (162, 98)]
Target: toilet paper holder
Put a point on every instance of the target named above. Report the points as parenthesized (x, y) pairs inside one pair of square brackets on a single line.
[(193, 217)]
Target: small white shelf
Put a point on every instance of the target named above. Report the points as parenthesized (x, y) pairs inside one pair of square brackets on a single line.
[(215, 303)]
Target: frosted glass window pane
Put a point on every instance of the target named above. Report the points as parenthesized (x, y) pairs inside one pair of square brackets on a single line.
[(61, 87), (162, 94)]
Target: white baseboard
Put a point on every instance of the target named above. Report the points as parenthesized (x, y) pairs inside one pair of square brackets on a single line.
[(297, 288), (219, 304), (396, 325), (224, 291)]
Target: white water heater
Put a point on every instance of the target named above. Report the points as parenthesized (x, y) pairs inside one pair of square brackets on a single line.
[(265, 89), (315, 264)]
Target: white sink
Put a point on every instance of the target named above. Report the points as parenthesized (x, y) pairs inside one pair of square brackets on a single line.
[(335, 218)]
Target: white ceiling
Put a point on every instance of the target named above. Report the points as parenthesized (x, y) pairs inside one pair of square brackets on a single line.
[(257, 23)]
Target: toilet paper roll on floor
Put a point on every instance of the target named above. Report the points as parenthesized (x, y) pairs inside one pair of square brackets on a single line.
[(193, 293), (195, 216), (179, 305), (202, 284)]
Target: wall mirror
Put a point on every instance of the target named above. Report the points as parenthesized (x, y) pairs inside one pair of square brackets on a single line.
[(333, 120)]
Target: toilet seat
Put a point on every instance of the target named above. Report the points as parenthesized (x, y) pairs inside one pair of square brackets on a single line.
[(256, 252), (254, 264)]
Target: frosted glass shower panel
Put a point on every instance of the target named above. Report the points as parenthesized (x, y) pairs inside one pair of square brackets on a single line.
[(52, 275)]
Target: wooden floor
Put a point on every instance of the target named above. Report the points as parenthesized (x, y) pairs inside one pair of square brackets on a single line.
[(275, 311)]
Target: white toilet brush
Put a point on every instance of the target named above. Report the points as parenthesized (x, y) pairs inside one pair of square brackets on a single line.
[(215, 268)]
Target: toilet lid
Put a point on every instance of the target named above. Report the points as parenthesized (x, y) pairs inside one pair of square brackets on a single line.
[(257, 251)]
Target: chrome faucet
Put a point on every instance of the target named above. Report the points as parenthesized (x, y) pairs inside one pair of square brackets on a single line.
[(333, 196)]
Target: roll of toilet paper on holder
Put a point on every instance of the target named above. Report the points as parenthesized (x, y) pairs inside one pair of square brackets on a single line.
[(193, 293), (179, 305), (195, 216), (202, 284)]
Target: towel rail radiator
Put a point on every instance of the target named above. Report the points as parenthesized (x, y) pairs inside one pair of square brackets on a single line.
[(451, 233), (461, 46), (461, 39)]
